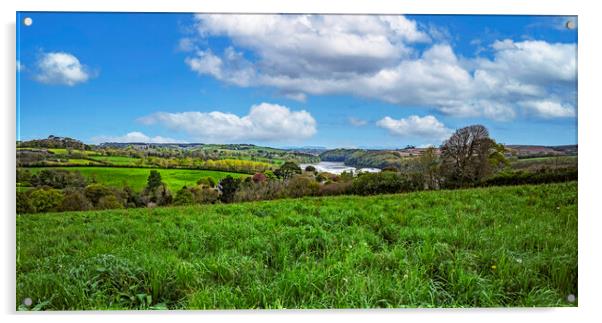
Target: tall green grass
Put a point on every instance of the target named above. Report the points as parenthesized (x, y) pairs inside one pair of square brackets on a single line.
[(485, 247)]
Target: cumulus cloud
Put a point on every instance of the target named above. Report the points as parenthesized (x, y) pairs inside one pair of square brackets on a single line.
[(415, 126), (548, 108), (61, 68), (265, 122), (376, 57), (134, 137)]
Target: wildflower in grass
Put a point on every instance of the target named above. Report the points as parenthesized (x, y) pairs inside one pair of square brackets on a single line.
[(520, 261), (493, 267)]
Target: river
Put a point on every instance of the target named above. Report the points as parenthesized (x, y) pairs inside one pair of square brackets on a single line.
[(338, 168)]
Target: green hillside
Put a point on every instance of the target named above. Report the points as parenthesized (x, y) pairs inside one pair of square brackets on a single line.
[(488, 247)]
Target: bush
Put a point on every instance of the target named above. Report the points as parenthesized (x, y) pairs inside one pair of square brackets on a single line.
[(310, 168), (259, 178), (287, 170), (24, 203), (75, 200), (109, 202), (541, 176), (228, 187), (24, 176), (94, 192), (382, 183), (268, 190), (45, 199), (58, 178), (160, 195), (183, 197), (207, 181), (299, 186), (335, 188), (204, 195)]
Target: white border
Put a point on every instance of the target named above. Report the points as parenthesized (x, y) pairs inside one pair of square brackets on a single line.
[(589, 144)]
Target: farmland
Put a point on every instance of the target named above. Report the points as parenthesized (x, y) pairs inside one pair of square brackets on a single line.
[(136, 177), (488, 247)]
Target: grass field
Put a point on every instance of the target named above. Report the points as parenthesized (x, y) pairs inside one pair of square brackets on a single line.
[(118, 160), (136, 177), (500, 246), (550, 162)]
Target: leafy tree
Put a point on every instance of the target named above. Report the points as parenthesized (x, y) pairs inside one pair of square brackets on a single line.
[(207, 181), (184, 196), (94, 192), (428, 164), (310, 168), (24, 203), (45, 199), (154, 180), (287, 170), (228, 187), (75, 200), (259, 178), (109, 202), (465, 156)]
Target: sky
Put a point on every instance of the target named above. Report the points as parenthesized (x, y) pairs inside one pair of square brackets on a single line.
[(363, 81)]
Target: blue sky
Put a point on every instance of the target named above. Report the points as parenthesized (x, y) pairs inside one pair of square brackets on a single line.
[(290, 80)]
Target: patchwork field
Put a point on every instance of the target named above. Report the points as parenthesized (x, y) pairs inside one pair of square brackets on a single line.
[(499, 246), (136, 177)]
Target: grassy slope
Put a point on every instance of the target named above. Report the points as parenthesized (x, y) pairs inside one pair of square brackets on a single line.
[(136, 177), (502, 246)]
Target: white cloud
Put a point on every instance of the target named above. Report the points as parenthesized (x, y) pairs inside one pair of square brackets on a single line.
[(415, 126), (61, 68), (134, 137), (265, 122), (374, 57), (357, 122), (548, 109), (20, 66)]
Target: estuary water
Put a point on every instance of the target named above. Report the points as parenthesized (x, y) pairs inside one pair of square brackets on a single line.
[(338, 168)]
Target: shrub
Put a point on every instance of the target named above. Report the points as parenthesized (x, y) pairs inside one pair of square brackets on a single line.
[(94, 192), (301, 186), (24, 203), (75, 200), (384, 182), (287, 170), (204, 195), (310, 168), (207, 181), (45, 199), (259, 178), (335, 188), (183, 197), (268, 190), (228, 187), (109, 202), (541, 176), (160, 195), (58, 178), (23, 176)]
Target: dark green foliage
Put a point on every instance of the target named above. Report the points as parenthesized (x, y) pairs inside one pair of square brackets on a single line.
[(24, 203), (94, 192), (207, 181), (109, 202), (184, 197), (300, 185), (383, 183), (58, 178), (287, 170), (153, 181), (484, 247), (310, 168), (45, 199), (24, 176), (228, 187), (363, 158), (540, 176)]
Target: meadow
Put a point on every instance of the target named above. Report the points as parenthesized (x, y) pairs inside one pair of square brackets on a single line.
[(483, 247), (136, 177)]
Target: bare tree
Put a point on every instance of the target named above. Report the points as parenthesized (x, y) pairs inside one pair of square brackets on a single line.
[(465, 155)]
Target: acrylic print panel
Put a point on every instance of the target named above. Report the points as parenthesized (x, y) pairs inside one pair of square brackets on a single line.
[(241, 161)]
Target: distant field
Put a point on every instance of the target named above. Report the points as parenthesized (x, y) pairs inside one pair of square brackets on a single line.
[(136, 177), (63, 151), (118, 160), (486, 247), (538, 162)]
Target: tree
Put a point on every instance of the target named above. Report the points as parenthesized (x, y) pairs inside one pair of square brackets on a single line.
[(75, 200), (465, 156), (94, 192), (428, 164), (259, 178), (153, 181), (45, 199), (310, 168), (287, 170), (228, 187), (109, 202), (183, 197)]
